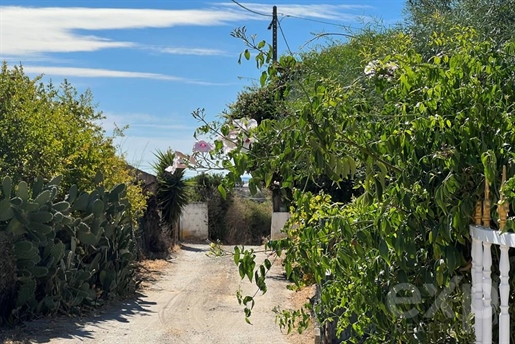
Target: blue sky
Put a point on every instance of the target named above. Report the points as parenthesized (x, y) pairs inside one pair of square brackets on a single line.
[(149, 64)]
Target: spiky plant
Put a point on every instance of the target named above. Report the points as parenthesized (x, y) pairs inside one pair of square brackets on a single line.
[(172, 191)]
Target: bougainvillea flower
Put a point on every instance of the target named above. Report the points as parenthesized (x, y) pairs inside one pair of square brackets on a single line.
[(202, 147)]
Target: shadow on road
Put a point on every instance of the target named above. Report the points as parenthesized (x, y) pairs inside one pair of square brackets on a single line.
[(187, 247), (44, 330)]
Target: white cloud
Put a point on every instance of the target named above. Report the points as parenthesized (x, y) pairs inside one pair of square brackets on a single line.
[(30, 30), (142, 122), (338, 13), (38, 30), (189, 51), (107, 73), (96, 73)]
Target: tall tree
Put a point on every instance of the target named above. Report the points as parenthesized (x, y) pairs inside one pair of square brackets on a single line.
[(47, 131)]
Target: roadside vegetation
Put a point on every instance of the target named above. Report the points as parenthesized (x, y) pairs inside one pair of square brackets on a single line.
[(69, 204), (409, 122)]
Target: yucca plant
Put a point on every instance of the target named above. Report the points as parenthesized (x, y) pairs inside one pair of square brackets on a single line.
[(172, 191)]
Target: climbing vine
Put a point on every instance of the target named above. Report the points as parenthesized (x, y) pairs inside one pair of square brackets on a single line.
[(423, 133)]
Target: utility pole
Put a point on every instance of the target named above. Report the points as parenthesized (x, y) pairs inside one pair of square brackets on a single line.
[(276, 194), (273, 25)]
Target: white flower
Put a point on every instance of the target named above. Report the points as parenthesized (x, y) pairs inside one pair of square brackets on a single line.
[(371, 68), (246, 143), (387, 70), (178, 162), (229, 141), (239, 135), (391, 67), (245, 124)]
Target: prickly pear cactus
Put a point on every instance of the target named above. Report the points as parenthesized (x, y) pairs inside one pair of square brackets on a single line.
[(67, 253)]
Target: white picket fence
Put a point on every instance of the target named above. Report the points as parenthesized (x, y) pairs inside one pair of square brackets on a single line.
[(483, 237)]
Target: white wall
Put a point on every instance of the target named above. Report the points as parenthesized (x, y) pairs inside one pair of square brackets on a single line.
[(278, 221), (194, 222)]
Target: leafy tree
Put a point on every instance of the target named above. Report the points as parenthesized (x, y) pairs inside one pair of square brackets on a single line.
[(47, 131), (172, 191), (259, 103)]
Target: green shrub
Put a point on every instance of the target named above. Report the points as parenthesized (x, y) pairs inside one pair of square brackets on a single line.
[(248, 222)]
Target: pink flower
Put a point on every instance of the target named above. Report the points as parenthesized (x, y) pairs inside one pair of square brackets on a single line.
[(177, 163), (202, 146)]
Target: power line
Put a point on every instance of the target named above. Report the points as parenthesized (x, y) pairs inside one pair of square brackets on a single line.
[(284, 37), (318, 21), (285, 15), (327, 34), (311, 20), (252, 11)]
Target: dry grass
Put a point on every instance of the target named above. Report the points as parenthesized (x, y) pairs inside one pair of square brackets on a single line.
[(149, 271), (298, 300)]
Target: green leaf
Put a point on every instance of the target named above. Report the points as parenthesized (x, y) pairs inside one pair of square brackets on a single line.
[(268, 264), (43, 197), (99, 178), (22, 191), (236, 255), (87, 238), (16, 227), (247, 54), (263, 78), (72, 194), (56, 180), (6, 213), (26, 291), (7, 185), (222, 191)]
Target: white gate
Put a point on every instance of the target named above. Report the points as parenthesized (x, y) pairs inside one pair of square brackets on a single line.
[(483, 237)]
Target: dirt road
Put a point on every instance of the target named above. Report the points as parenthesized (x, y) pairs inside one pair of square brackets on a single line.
[(193, 302)]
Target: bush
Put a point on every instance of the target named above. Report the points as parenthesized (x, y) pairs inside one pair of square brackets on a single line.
[(156, 239), (248, 222)]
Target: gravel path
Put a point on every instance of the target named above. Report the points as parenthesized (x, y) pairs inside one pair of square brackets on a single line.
[(193, 302)]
